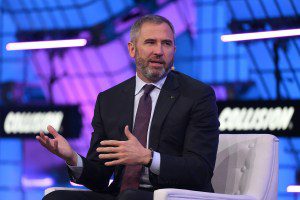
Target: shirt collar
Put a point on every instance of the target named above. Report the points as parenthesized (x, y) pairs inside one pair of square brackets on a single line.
[(140, 84)]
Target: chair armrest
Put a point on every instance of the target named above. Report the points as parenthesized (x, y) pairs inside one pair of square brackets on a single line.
[(180, 194), (49, 190)]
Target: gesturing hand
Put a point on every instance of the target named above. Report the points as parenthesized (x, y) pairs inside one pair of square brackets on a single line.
[(130, 152), (58, 146)]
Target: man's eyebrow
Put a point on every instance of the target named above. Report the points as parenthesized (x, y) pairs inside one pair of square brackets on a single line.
[(152, 40), (168, 40), (149, 40)]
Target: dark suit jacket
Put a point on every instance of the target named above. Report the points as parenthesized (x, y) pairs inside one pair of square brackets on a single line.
[(184, 131)]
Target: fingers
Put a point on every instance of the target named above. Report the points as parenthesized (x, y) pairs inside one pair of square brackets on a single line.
[(114, 162), (115, 143), (52, 131), (111, 156), (41, 138), (42, 134), (46, 141), (41, 141), (128, 133), (110, 153), (113, 150), (108, 149), (55, 144)]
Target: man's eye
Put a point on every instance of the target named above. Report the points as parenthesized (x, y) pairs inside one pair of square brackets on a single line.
[(168, 43), (149, 42)]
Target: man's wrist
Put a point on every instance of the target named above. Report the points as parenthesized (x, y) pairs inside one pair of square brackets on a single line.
[(72, 161), (149, 158)]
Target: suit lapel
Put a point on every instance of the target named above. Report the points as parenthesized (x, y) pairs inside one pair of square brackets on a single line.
[(167, 97), (128, 101)]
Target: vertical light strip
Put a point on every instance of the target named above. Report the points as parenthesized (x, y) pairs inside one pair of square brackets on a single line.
[(45, 44), (260, 35)]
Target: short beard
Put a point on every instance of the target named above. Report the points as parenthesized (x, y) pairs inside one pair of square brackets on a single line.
[(143, 66)]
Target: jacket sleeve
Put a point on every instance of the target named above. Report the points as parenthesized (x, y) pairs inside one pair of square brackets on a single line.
[(95, 174), (193, 169)]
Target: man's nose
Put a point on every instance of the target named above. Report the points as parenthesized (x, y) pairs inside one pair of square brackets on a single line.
[(158, 50)]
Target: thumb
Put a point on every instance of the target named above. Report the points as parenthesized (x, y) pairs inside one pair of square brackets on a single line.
[(52, 131), (128, 133)]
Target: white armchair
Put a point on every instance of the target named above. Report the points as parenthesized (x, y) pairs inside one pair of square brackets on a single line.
[(246, 169)]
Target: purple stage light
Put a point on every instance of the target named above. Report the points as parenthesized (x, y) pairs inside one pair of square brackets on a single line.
[(45, 44), (260, 35), (221, 92), (182, 20)]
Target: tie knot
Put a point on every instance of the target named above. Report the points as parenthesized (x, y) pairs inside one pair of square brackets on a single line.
[(148, 88)]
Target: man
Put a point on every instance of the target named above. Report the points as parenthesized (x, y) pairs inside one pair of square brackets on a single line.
[(158, 129)]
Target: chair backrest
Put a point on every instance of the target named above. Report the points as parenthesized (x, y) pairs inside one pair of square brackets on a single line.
[(247, 164)]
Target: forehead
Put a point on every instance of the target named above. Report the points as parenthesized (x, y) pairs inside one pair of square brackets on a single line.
[(156, 31)]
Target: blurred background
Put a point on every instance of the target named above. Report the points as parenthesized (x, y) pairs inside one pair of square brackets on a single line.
[(67, 80)]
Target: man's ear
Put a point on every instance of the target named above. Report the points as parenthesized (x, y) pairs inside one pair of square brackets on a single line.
[(131, 49)]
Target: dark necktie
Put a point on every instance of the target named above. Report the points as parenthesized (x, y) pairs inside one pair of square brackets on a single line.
[(132, 173)]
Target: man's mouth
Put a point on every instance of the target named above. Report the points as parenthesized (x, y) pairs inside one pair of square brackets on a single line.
[(159, 62)]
